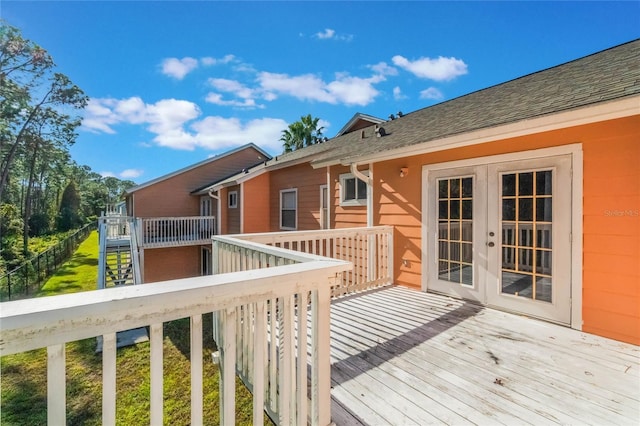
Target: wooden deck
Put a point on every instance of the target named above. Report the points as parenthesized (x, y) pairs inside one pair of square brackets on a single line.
[(402, 357)]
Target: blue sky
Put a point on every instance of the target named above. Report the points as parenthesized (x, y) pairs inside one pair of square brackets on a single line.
[(172, 83)]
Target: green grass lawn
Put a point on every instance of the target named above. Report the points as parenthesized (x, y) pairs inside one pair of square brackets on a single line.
[(24, 376)]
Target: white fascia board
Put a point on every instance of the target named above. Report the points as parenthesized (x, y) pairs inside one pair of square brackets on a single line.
[(626, 107)]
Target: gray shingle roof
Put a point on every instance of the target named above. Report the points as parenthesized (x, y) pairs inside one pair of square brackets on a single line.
[(604, 76)]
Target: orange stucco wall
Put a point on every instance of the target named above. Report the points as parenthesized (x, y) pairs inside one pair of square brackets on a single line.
[(171, 263), (307, 181), (611, 216), (256, 204), (344, 216)]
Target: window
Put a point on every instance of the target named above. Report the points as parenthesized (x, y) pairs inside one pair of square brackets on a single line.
[(233, 199), (353, 191), (288, 209)]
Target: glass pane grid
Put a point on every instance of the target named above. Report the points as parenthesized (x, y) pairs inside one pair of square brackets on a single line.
[(455, 230), (526, 234)]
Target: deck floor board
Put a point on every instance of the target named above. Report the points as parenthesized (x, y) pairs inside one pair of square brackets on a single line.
[(403, 357)]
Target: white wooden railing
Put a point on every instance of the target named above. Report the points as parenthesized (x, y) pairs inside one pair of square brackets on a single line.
[(264, 293), (157, 232), (270, 357), (369, 249)]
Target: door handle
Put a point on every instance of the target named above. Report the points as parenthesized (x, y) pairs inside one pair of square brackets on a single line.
[(491, 244)]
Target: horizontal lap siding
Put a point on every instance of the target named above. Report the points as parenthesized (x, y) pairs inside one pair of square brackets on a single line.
[(347, 216), (611, 282), (233, 215), (307, 181), (611, 221), (171, 263), (256, 195), (172, 196)]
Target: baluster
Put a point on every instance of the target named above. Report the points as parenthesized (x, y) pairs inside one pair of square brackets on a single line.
[(156, 374), (109, 379), (56, 385), (196, 370)]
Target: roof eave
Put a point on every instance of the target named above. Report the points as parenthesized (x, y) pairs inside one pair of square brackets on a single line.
[(610, 110)]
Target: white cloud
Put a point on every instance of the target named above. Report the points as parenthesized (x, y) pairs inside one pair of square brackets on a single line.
[(397, 94), (431, 93), (217, 99), (131, 173), (107, 174), (327, 33), (440, 69), (220, 132), (383, 68), (178, 68), (344, 89), (177, 124), (209, 61), (232, 86), (330, 34)]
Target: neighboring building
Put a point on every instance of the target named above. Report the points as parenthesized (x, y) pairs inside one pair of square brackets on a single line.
[(177, 195), (524, 196)]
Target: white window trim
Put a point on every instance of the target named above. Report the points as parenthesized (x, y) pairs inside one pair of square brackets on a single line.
[(229, 203), (356, 202), (286, 228), (324, 216)]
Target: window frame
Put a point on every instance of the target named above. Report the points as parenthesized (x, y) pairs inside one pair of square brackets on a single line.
[(232, 196), (355, 201), (295, 209)]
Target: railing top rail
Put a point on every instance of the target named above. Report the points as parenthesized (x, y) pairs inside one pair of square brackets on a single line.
[(294, 255), (176, 218), (35, 323), (331, 232)]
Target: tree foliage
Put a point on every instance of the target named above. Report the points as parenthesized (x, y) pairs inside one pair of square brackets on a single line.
[(39, 115), (301, 133)]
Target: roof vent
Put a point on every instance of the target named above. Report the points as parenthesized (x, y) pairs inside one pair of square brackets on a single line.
[(392, 117), (362, 134), (400, 114), (380, 131)]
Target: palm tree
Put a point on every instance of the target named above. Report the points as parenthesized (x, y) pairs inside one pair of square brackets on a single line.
[(301, 133)]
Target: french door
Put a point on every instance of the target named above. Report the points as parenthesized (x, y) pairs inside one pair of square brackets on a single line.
[(500, 234)]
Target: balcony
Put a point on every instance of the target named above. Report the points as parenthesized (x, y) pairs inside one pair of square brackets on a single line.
[(308, 321), (161, 232)]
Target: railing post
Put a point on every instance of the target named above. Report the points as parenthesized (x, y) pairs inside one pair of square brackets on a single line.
[(227, 367), (56, 385), (321, 364), (215, 259)]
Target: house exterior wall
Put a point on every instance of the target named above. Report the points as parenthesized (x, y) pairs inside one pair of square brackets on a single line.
[(256, 196), (172, 197), (344, 216), (171, 263), (611, 216), (307, 181), (233, 214)]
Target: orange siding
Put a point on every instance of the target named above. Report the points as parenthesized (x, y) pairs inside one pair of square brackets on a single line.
[(347, 216), (171, 263), (611, 216), (172, 196), (307, 181), (222, 193), (233, 214), (256, 204)]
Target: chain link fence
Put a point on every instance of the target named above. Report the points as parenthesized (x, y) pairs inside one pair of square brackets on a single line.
[(25, 280)]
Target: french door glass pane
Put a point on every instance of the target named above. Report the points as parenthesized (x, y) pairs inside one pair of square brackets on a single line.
[(455, 230), (526, 206)]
